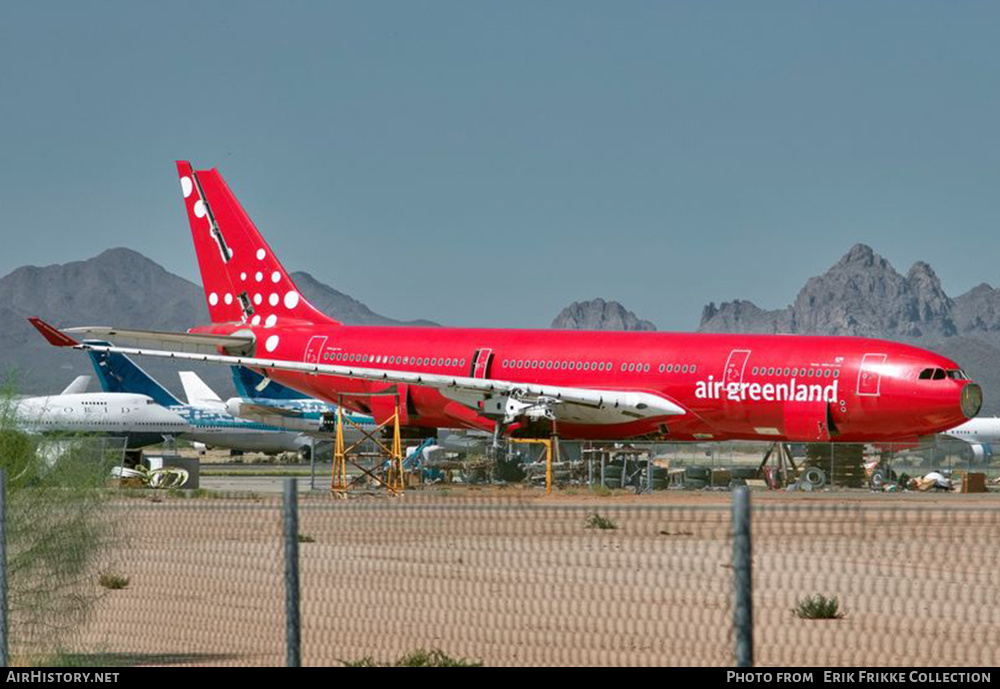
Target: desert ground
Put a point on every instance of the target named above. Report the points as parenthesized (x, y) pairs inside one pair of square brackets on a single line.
[(511, 577)]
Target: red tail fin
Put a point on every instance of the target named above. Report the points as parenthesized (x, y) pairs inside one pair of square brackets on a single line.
[(244, 281)]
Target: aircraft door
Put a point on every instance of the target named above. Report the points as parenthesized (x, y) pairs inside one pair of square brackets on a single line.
[(314, 348), (735, 364), (481, 361), (870, 374)]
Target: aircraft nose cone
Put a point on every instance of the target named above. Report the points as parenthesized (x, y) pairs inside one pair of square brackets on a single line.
[(972, 400)]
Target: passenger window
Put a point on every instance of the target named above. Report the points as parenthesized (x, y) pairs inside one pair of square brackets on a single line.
[(662, 368), (692, 368)]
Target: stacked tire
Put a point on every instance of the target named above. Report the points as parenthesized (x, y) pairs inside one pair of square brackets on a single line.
[(659, 478), (613, 476), (697, 477)]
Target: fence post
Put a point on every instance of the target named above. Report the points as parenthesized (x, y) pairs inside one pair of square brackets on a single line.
[(312, 463), (4, 627), (742, 578), (290, 520)]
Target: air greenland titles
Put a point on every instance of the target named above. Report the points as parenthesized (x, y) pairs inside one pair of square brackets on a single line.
[(792, 391)]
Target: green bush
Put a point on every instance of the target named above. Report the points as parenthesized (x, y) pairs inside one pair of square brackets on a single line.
[(817, 607), (598, 521), (112, 581), (59, 532), (418, 658)]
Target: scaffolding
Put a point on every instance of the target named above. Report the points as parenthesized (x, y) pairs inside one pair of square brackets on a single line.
[(384, 465), (551, 446)]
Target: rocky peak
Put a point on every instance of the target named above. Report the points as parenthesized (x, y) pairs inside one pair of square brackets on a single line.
[(598, 314), (861, 256), (862, 294)]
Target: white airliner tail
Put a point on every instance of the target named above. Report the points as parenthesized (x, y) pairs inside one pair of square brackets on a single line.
[(198, 393), (78, 386)]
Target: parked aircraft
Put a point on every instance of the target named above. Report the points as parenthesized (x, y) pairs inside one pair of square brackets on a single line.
[(263, 400), (205, 413), (527, 382), (136, 417), (982, 434)]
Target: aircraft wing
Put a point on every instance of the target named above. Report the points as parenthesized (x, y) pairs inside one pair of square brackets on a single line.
[(505, 399), (268, 410)]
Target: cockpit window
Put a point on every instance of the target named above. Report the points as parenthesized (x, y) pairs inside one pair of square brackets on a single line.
[(957, 374), (939, 374), (926, 374)]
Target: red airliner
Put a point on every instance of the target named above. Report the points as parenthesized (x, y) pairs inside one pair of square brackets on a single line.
[(592, 385)]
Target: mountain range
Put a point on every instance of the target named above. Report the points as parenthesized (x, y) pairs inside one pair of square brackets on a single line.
[(122, 287), (863, 295)]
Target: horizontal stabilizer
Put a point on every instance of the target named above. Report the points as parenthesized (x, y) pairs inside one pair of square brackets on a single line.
[(184, 342), (56, 337)]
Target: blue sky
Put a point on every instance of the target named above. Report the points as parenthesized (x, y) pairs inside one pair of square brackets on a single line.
[(487, 163)]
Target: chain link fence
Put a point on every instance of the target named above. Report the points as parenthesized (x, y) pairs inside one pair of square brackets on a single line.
[(200, 579), (650, 466)]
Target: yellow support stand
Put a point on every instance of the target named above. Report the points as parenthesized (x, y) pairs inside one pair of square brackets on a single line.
[(338, 487), (394, 481), (547, 444)]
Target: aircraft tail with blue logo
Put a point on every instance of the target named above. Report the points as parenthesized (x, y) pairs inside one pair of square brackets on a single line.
[(252, 385), (118, 373)]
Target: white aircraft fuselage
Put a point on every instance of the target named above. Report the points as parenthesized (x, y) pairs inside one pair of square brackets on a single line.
[(98, 412)]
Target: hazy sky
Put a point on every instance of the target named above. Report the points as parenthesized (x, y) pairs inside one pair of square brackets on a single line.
[(487, 163)]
